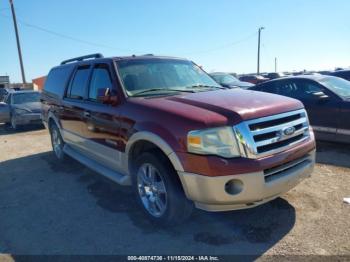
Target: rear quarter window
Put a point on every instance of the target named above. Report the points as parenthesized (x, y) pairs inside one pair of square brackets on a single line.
[(57, 80)]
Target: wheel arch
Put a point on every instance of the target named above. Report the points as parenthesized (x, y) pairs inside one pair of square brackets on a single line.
[(149, 139), (52, 119)]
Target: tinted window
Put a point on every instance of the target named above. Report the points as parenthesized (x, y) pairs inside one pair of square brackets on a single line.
[(285, 88), (79, 82), (100, 80), (57, 80), (306, 89), (296, 89)]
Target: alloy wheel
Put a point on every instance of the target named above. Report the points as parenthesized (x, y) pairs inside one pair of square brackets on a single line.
[(56, 142), (151, 189)]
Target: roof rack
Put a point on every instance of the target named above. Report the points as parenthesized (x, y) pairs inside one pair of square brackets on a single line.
[(81, 58)]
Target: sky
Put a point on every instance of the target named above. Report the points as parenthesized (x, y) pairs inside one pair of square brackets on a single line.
[(219, 35)]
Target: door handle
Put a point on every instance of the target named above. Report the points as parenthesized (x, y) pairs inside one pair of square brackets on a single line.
[(87, 114)]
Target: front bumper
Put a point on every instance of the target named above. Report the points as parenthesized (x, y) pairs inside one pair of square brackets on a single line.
[(27, 119), (222, 193)]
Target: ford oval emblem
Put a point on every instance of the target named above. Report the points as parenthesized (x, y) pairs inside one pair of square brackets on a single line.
[(289, 131)]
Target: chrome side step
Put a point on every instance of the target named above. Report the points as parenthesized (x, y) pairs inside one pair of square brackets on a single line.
[(92, 164)]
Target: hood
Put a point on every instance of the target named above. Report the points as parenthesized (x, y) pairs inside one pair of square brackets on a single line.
[(33, 107), (229, 106)]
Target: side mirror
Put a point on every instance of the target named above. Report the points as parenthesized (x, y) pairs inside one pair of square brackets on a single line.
[(3, 104), (104, 96), (321, 96)]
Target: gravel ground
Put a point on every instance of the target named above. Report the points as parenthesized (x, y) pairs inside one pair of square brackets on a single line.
[(52, 208)]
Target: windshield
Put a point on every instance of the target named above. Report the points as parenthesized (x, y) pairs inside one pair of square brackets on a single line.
[(26, 98), (225, 79), (163, 76), (338, 85)]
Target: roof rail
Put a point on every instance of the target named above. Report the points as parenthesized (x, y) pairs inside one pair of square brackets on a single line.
[(81, 58)]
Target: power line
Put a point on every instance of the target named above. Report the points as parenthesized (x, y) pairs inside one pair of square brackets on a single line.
[(224, 46), (20, 21), (40, 28)]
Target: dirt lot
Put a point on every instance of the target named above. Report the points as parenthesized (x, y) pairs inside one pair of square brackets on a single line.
[(52, 208)]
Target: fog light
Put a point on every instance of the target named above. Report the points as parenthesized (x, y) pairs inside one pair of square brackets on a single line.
[(234, 187)]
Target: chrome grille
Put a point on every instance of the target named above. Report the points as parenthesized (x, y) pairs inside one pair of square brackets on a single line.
[(272, 134)]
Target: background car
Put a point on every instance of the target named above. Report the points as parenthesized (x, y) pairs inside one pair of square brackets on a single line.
[(273, 75), (228, 80), (254, 79), (325, 72), (345, 74), (21, 108), (326, 99)]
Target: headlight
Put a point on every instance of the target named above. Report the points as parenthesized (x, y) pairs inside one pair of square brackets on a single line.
[(21, 111), (215, 141)]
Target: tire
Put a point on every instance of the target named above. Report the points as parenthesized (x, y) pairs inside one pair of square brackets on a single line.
[(13, 123), (57, 142), (160, 195)]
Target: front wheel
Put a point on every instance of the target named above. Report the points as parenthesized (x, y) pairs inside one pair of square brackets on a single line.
[(13, 122), (159, 190)]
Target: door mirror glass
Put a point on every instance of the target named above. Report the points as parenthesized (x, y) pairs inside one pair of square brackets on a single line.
[(3, 104)]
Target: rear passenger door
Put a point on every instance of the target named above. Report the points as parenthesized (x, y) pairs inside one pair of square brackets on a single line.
[(72, 110), (101, 121)]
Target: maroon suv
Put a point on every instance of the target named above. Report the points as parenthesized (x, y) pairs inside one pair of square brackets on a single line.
[(164, 126)]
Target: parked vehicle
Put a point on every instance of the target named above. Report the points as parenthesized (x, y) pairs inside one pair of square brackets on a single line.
[(273, 75), (227, 80), (234, 75), (326, 99), (345, 74), (21, 108), (254, 79), (168, 129), (325, 72)]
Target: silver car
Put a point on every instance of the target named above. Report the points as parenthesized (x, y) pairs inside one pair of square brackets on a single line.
[(21, 108)]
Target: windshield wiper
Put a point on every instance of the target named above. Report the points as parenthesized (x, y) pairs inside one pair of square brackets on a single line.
[(161, 89), (205, 86)]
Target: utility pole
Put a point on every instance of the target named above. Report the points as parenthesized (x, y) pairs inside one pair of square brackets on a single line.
[(18, 43), (275, 64), (260, 29)]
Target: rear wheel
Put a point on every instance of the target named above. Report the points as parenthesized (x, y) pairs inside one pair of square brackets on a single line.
[(57, 142), (159, 190)]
